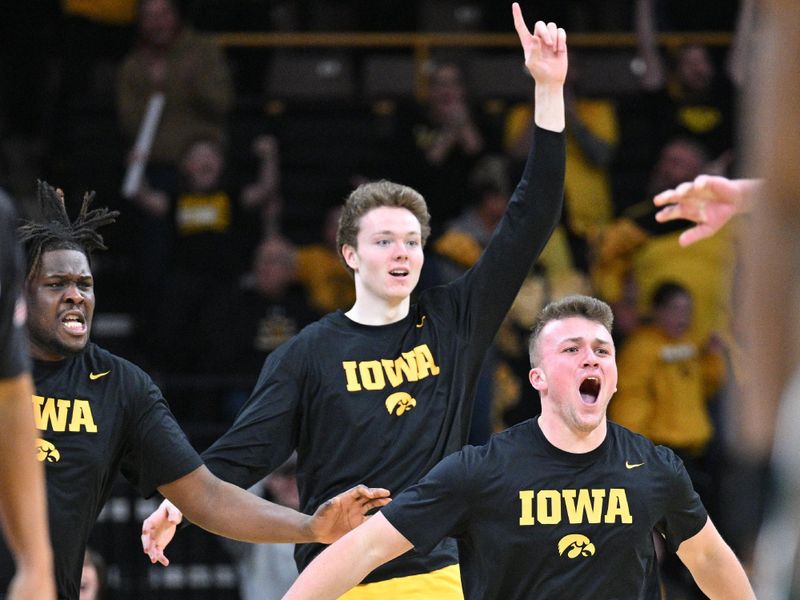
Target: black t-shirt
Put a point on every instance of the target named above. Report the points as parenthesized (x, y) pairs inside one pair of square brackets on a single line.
[(99, 414), (535, 522), (13, 352), (381, 405)]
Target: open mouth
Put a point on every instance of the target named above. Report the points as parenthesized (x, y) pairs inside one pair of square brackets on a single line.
[(74, 323), (399, 272), (589, 390)]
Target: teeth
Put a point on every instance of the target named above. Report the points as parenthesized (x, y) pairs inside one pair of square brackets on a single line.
[(77, 325)]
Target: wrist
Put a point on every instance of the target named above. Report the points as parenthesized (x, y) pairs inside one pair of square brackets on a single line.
[(549, 106)]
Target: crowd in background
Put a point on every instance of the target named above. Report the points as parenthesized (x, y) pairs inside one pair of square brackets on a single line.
[(227, 248)]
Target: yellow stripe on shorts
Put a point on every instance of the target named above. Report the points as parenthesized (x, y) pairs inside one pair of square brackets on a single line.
[(444, 584)]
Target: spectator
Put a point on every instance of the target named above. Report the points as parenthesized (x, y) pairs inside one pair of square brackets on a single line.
[(193, 75), (93, 576), (241, 327), (441, 141), (592, 139), (328, 284), (639, 251), (198, 238)]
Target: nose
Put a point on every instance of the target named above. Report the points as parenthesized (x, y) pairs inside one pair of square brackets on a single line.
[(401, 250), (73, 294), (590, 358)]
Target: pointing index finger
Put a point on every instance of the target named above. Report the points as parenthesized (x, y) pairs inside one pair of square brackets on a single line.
[(519, 22)]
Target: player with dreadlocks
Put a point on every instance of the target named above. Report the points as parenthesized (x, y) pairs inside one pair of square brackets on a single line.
[(98, 414)]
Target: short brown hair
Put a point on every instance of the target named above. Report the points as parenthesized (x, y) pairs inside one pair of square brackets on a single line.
[(569, 306), (377, 194)]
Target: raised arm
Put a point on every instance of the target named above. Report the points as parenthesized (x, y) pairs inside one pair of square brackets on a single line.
[(227, 510), (709, 201), (714, 566), (545, 54), (344, 564)]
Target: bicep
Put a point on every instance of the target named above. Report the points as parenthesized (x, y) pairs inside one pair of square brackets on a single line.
[(698, 549)]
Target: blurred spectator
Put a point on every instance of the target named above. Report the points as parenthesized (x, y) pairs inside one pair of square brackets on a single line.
[(328, 284), (592, 138), (692, 96), (241, 327), (93, 576), (440, 141), (267, 571), (668, 382), (637, 251), (193, 74), (194, 243)]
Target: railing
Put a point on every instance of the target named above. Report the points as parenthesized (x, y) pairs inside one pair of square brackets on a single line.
[(422, 44)]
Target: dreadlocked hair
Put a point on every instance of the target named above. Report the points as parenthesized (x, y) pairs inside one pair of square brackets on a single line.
[(57, 232)]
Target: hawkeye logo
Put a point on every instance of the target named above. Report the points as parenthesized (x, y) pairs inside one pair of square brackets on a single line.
[(414, 365), (400, 402), (45, 451), (57, 414), (575, 545)]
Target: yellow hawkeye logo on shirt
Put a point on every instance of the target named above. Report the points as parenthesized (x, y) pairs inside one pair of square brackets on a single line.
[(94, 376), (575, 545), (46, 451)]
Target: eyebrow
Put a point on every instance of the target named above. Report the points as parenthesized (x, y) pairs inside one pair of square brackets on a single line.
[(580, 339), (388, 232)]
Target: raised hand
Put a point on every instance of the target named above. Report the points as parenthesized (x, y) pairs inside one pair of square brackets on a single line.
[(346, 511), (158, 530), (545, 50), (709, 201)]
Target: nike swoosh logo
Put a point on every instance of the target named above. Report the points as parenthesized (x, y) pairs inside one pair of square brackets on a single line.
[(421, 322), (94, 376), (630, 466)]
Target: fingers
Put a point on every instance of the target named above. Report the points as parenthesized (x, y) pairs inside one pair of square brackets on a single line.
[(376, 503), (361, 491), (695, 234), (519, 22)]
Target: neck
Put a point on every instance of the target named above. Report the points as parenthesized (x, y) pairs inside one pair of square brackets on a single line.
[(571, 439), (378, 313)]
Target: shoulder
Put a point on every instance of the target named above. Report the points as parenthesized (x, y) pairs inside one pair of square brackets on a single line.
[(100, 362), (637, 447)]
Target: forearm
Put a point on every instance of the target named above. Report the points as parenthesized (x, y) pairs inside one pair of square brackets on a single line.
[(227, 510), (347, 562), (549, 106), (714, 566), (721, 577), (22, 487)]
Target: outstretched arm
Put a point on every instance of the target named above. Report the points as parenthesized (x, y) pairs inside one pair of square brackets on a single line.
[(344, 564), (714, 566), (225, 509), (709, 201)]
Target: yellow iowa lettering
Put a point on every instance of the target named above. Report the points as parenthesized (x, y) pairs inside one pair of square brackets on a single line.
[(375, 374), (580, 509), (82, 417), (53, 413), (551, 507)]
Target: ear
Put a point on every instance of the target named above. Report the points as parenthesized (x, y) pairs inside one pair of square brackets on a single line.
[(537, 378), (350, 256)]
